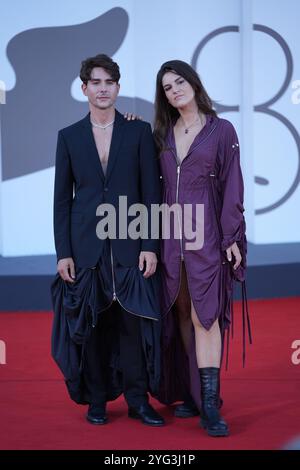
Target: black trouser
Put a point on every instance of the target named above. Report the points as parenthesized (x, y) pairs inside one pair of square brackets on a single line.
[(116, 321)]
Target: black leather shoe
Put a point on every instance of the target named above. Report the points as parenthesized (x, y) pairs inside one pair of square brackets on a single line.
[(146, 414), (186, 409), (96, 414)]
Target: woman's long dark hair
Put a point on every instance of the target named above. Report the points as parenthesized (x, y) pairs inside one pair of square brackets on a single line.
[(165, 114)]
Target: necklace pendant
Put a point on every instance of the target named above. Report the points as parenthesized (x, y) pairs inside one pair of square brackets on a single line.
[(186, 131)]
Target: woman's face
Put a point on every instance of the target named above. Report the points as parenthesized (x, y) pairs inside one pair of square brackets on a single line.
[(178, 91)]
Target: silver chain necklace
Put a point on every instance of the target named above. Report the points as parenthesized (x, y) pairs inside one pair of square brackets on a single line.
[(100, 125), (186, 129)]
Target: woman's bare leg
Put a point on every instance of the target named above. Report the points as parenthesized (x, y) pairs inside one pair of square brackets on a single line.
[(183, 310), (208, 343)]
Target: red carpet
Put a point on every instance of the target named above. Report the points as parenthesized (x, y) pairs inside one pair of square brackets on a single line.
[(261, 402)]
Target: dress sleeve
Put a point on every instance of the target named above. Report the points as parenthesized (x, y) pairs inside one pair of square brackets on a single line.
[(232, 189)]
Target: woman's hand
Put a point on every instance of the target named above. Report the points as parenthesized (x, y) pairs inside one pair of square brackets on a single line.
[(234, 250), (132, 117)]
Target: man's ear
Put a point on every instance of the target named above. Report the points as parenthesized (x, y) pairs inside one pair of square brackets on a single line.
[(84, 87)]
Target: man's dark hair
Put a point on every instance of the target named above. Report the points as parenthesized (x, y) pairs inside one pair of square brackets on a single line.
[(100, 60)]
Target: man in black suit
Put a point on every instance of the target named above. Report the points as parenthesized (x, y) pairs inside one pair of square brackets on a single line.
[(99, 159)]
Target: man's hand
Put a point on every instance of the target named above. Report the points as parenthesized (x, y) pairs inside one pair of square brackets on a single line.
[(151, 261), (66, 269), (234, 250)]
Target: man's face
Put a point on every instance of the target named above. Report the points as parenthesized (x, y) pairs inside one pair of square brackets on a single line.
[(101, 90)]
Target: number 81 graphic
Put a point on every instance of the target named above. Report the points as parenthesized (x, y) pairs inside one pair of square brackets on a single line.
[(264, 108)]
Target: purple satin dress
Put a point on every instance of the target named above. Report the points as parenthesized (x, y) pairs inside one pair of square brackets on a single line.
[(210, 175)]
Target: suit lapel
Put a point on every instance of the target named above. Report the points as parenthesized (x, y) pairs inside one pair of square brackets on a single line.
[(116, 140), (91, 145)]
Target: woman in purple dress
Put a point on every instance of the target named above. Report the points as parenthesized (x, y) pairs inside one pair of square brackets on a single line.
[(200, 165)]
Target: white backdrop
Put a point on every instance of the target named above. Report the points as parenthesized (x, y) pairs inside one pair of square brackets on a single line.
[(241, 68)]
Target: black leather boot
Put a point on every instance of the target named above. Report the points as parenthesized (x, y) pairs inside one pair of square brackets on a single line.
[(210, 416)]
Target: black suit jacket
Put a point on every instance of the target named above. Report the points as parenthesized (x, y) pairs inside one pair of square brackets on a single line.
[(80, 186)]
